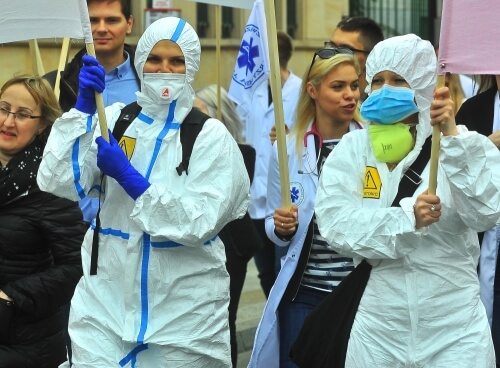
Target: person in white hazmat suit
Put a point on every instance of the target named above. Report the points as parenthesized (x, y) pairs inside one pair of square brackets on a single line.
[(161, 292), (421, 306)]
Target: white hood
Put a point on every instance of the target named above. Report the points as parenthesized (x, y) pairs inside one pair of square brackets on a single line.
[(179, 31), (413, 59)]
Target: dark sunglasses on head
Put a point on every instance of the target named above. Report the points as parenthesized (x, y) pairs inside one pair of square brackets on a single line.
[(331, 44), (328, 53)]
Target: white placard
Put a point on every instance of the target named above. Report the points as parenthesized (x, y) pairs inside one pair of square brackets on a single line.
[(244, 4)]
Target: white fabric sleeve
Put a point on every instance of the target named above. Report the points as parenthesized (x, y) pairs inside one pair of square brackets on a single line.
[(215, 192), (273, 199), (471, 163), (351, 229), (69, 165)]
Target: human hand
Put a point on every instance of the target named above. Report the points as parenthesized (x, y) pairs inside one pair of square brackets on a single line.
[(442, 112), (286, 220), (495, 138), (110, 157), (427, 209), (272, 133), (91, 80), (4, 296), (114, 163)]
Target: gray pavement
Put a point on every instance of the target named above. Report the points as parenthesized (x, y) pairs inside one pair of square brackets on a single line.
[(250, 309)]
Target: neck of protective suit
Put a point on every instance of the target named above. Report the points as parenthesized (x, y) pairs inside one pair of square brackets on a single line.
[(390, 143), (159, 90), (389, 105)]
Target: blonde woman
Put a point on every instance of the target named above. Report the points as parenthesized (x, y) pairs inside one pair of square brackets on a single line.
[(310, 270)]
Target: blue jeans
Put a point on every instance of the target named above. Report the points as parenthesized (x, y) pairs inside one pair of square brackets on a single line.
[(291, 316)]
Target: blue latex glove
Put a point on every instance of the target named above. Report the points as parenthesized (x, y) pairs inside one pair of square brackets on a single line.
[(91, 78), (114, 163)]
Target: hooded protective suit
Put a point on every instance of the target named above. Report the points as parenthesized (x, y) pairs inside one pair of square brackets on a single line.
[(161, 292), (421, 306)]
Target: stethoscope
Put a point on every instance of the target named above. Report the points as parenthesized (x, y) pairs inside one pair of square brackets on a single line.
[(314, 132)]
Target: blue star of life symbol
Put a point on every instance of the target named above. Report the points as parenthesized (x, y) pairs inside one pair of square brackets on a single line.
[(250, 62), (248, 52), (294, 194)]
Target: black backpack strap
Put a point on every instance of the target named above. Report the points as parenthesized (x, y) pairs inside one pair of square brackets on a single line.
[(95, 244), (127, 116), (190, 128), (411, 179)]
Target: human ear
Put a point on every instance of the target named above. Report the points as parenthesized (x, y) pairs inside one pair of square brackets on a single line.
[(130, 23), (311, 90)]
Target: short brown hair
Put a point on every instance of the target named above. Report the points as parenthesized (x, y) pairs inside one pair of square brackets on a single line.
[(285, 48), (370, 32), (126, 6)]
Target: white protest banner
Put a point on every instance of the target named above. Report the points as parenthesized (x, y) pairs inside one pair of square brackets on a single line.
[(244, 4), (468, 44), (27, 19), (22, 20)]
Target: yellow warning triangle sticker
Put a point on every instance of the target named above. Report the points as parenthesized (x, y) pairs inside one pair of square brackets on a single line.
[(127, 144), (372, 184)]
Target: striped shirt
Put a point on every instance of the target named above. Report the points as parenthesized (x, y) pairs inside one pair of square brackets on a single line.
[(325, 268)]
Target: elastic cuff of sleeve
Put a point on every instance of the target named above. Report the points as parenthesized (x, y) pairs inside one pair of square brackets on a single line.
[(288, 237)]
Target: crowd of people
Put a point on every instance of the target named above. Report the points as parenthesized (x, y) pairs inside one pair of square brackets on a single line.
[(130, 249)]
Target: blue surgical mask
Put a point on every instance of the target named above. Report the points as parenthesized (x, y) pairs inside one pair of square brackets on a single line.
[(389, 105)]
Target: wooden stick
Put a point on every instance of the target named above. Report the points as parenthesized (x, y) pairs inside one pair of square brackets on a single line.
[(63, 59), (99, 101), (218, 27), (36, 58), (436, 137), (279, 119)]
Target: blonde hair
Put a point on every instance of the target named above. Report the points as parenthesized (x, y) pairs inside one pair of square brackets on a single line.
[(230, 117), (44, 96), (306, 107), (456, 92)]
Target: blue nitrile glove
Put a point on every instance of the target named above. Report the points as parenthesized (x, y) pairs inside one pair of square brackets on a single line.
[(112, 161), (91, 78)]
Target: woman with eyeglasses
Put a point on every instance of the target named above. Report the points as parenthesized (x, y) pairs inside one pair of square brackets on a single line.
[(421, 305), (310, 270), (40, 233)]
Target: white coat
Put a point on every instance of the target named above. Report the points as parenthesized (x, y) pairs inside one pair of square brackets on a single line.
[(421, 306), (303, 194), (257, 126), (161, 280)]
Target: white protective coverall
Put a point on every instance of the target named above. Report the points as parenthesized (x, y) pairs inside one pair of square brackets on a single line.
[(421, 306), (161, 292)]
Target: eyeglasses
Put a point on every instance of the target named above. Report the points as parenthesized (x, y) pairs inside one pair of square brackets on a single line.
[(331, 44), (20, 117), (328, 53)]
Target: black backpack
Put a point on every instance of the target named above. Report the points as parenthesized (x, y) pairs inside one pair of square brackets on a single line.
[(190, 128)]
